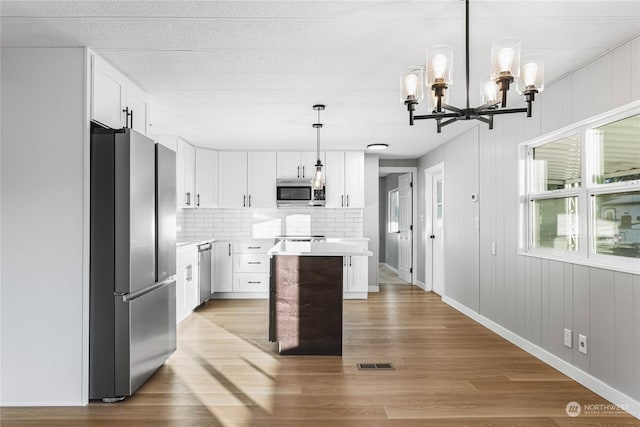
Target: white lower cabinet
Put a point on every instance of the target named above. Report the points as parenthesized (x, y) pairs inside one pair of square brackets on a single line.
[(187, 294), (223, 267), (251, 267), (355, 275)]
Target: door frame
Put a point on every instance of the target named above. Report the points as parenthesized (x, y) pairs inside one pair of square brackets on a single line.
[(414, 211), (429, 174)]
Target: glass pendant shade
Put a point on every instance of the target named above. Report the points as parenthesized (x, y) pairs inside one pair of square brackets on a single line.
[(531, 74), (432, 99), (439, 62), (412, 84), (489, 91), (505, 57), (317, 182)]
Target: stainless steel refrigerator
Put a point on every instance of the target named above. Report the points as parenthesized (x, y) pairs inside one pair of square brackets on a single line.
[(132, 312)]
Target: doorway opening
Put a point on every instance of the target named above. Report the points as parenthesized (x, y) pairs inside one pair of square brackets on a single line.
[(397, 218), (434, 229)]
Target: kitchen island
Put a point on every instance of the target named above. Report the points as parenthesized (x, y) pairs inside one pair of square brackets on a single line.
[(306, 294)]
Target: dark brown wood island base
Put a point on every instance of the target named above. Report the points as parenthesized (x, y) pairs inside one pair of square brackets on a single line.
[(306, 304)]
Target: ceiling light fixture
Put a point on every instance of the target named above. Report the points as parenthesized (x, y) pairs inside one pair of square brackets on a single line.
[(505, 69), (377, 147), (317, 183)]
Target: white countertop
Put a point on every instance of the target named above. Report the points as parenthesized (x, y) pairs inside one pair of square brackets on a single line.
[(318, 248), (184, 242)]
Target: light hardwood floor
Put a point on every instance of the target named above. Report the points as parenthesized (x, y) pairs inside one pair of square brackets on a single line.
[(450, 371)]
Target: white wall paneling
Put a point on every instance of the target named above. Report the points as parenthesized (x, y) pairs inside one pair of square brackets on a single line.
[(43, 312), (370, 216), (534, 298)]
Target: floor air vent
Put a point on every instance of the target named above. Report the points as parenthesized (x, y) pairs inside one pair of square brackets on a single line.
[(375, 366)]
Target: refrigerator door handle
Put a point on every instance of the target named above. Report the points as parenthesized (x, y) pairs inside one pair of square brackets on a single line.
[(134, 295)]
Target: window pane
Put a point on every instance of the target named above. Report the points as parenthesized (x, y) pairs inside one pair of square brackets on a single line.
[(617, 224), (556, 165), (615, 151), (555, 223), (394, 211)]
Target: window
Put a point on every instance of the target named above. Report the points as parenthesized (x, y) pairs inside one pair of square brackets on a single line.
[(582, 189), (393, 212)]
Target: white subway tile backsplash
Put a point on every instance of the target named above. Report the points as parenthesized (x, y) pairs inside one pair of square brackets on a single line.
[(267, 223)]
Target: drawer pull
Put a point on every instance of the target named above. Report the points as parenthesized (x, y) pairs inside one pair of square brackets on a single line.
[(254, 247), (254, 262), (254, 283)]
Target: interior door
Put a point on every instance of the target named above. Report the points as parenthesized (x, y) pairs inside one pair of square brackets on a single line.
[(405, 227), (437, 237)]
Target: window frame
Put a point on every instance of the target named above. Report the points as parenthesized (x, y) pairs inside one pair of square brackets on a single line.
[(586, 253)]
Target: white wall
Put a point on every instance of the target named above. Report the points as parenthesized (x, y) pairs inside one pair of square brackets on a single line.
[(371, 213), (44, 125), (535, 299)]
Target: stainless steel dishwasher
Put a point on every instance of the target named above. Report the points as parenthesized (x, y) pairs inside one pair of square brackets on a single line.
[(205, 252)]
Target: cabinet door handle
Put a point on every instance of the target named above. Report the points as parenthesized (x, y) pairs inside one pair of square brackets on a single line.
[(131, 115), (249, 200), (197, 199), (298, 171), (254, 283), (342, 200), (347, 200), (303, 171), (188, 199), (125, 110), (344, 261), (350, 262), (244, 201), (254, 262)]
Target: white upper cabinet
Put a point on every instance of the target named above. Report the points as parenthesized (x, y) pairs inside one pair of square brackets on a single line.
[(247, 180), (294, 164), (185, 174), (334, 179), (206, 188), (108, 92), (354, 179), (138, 105), (261, 180), (116, 102), (232, 173), (344, 177), (288, 164)]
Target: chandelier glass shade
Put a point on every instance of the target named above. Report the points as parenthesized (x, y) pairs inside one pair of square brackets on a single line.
[(506, 70)]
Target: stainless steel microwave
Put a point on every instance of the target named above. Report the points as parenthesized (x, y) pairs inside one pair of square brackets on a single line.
[(298, 192)]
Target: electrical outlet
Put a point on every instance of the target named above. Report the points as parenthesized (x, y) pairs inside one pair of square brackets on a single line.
[(582, 344), (568, 338)]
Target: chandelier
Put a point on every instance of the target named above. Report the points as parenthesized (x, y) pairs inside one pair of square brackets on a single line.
[(505, 69)]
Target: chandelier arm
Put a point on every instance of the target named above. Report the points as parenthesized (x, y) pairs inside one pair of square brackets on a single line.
[(504, 111), (487, 106), (448, 122), (452, 108), (436, 116)]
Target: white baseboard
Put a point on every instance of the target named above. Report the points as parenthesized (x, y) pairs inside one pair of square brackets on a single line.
[(625, 402), (421, 285), (42, 403), (374, 288)]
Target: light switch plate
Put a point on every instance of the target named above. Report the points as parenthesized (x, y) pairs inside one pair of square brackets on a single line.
[(582, 344), (568, 338)]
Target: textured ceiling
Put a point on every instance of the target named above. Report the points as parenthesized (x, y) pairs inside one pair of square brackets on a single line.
[(244, 75)]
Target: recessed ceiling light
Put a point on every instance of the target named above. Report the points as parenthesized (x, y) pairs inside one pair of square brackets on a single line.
[(377, 147)]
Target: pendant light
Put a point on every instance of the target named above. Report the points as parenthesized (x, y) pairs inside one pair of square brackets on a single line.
[(317, 182)]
